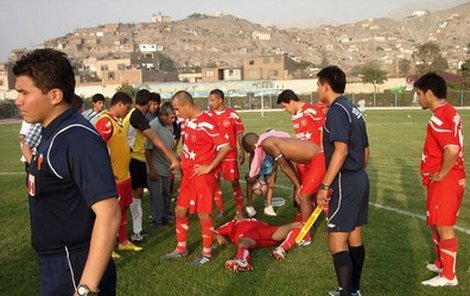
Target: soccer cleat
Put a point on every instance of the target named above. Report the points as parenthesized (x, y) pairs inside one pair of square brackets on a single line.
[(175, 255), (238, 265), (201, 260), (337, 293), (269, 210), (250, 211), (129, 247), (440, 281), (305, 243), (220, 215), (279, 253), (137, 238), (115, 255), (432, 267)]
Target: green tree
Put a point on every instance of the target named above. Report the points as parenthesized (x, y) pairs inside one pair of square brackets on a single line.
[(165, 63), (428, 58), (404, 66), (128, 89), (371, 73), (465, 71)]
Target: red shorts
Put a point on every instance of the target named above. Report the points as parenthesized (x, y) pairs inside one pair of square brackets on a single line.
[(263, 236), (444, 199), (312, 174), (229, 170), (124, 190), (197, 193)]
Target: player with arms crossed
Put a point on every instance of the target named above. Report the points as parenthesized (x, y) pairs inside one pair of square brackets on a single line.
[(231, 127), (442, 170), (203, 150)]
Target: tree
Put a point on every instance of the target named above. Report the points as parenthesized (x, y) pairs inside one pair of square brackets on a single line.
[(404, 66), (428, 58), (371, 73), (465, 70), (165, 63), (128, 89)]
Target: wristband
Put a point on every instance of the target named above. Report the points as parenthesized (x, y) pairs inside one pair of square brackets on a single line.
[(324, 186)]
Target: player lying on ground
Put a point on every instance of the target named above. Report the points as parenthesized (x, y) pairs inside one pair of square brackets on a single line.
[(248, 234)]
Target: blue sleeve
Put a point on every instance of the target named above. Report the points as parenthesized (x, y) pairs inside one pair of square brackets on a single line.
[(339, 124), (90, 167)]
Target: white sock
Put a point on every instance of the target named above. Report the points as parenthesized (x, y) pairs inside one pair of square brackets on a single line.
[(136, 212)]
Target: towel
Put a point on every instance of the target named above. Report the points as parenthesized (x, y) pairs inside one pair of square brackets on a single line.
[(259, 152)]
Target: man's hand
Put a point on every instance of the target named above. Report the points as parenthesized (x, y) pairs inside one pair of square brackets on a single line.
[(175, 165), (202, 169), (153, 175), (436, 177), (241, 157), (323, 197)]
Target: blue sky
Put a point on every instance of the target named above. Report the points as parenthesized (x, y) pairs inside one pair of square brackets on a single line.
[(25, 23)]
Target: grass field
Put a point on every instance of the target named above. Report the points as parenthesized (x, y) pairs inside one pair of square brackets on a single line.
[(397, 241)]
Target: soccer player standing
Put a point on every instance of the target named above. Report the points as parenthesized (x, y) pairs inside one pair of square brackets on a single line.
[(203, 150), (231, 127), (346, 149), (442, 171), (307, 121)]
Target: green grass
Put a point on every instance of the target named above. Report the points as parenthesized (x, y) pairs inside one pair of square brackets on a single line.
[(397, 245)]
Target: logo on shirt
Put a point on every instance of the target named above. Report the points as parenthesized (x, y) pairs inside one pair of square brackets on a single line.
[(31, 185), (226, 123), (303, 122)]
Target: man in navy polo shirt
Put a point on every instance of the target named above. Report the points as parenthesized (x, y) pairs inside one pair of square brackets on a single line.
[(72, 196), (345, 185)]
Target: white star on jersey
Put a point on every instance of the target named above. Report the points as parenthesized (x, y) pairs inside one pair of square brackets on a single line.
[(423, 157), (308, 136)]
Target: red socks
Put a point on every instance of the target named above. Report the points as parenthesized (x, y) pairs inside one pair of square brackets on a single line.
[(207, 229), (123, 227), (182, 226), (238, 195), (243, 253), (289, 242), (448, 254)]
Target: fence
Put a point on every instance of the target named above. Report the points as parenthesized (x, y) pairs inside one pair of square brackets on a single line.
[(268, 101)]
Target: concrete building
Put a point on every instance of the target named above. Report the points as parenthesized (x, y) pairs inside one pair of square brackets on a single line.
[(221, 74), (136, 76), (275, 67), (111, 65), (7, 79)]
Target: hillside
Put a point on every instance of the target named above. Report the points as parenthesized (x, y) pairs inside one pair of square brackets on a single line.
[(202, 40)]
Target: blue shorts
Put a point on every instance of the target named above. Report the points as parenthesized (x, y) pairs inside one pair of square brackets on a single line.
[(59, 274), (349, 204)]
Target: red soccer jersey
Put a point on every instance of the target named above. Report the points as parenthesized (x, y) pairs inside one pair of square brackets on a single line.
[(202, 139), (444, 128), (249, 227), (229, 124), (308, 123)]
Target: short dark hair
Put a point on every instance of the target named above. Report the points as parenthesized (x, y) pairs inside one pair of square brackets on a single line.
[(286, 96), (77, 102), (49, 69), (334, 76), (184, 97), (142, 97), (433, 82), (218, 93), (155, 97), (121, 97), (97, 97), (166, 109)]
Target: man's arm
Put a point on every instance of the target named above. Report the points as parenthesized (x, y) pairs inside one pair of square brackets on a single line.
[(158, 143), (152, 171), (451, 152), (241, 152), (366, 157), (206, 168), (103, 238), (337, 160), (27, 152)]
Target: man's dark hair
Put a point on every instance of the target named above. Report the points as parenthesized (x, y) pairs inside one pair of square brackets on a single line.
[(218, 93), (166, 109), (142, 97), (433, 82), (97, 97), (335, 78), (77, 103), (155, 97), (183, 97), (49, 69), (121, 97), (286, 96)]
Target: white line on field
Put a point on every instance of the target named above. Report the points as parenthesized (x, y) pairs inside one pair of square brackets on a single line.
[(398, 211), (11, 173)]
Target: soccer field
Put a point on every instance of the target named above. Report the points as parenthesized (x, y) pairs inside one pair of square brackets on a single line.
[(398, 243)]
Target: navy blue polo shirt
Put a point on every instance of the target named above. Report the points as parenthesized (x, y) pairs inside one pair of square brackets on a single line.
[(344, 123), (70, 172)]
